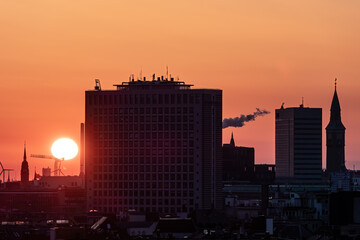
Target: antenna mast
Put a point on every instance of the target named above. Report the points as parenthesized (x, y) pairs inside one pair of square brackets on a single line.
[(97, 85), (167, 72)]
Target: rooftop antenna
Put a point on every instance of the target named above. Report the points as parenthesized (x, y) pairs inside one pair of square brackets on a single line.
[(97, 85), (282, 105), (167, 72), (140, 73), (302, 101)]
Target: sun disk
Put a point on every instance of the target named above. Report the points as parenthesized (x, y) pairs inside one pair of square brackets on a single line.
[(64, 148)]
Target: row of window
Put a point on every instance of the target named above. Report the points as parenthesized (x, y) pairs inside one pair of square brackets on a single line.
[(116, 209), (141, 193), (144, 135), (112, 99), (119, 201), (148, 127), (152, 143), (129, 168), (143, 118), (142, 160), (99, 152), (155, 176), (144, 185)]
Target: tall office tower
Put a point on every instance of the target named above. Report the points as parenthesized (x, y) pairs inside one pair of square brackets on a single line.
[(335, 138), (298, 144), (24, 169), (153, 146)]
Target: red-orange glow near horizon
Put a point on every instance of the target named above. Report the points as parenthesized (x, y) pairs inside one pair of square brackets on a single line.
[(260, 53)]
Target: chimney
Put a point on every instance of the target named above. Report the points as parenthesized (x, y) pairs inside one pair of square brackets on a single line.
[(82, 148)]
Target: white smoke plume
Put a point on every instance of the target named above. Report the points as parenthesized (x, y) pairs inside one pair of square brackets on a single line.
[(240, 121)]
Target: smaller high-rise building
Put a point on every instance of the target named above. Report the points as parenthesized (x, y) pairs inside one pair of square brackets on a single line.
[(24, 169), (335, 138), (298, 144)]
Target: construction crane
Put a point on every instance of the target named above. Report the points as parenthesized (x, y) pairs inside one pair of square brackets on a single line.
[(57, 162), (3, 171)]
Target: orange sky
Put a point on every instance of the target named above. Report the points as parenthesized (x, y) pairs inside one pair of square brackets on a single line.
[(261, 53)]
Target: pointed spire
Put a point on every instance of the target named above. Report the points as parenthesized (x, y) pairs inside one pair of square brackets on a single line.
[(25, 151), (24, 168), (335, 111), (335, 106), (232, 142)]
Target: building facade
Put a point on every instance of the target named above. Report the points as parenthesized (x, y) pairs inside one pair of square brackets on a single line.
[(153, 146), (298, 144), (238, 162), (335, 138)]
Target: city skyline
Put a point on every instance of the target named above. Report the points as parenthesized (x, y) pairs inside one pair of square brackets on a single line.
[(47, 64)]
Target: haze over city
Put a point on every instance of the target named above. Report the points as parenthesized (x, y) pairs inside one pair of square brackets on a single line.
[(260, 54)]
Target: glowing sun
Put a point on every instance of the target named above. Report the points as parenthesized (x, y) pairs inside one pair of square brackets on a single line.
[(64, 148)]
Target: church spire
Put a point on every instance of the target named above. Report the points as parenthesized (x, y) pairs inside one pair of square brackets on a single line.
[(232, 142), (24, 152), (24, 168), (335, 138), (335, 112)]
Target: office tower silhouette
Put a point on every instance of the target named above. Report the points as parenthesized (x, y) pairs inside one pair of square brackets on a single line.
[(298, 144), (153, 146)]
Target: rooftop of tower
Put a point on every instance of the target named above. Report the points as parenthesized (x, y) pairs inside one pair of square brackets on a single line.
[(156, 83)]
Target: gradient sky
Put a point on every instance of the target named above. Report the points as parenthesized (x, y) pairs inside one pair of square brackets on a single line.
[(260, 53)]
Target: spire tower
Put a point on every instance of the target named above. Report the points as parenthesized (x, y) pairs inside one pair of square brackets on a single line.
[(335, 137), (232, 142), (24, 168)]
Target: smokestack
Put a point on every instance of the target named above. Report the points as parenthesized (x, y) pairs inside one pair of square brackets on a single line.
[(240, 121), (82, 148)]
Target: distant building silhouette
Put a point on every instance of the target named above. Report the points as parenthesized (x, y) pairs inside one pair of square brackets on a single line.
[(153, 146), (238, 162), (46, 172), (335, 138), (24, 169), (264, 173), (298, 144)]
